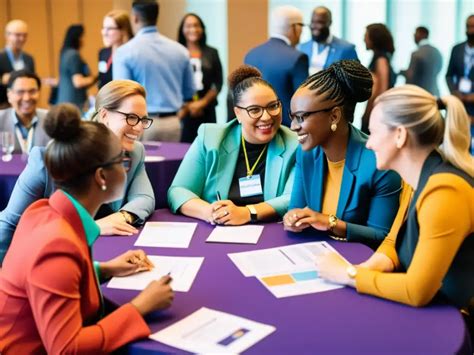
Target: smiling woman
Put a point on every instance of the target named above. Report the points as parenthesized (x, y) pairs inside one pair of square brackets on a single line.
[(249, 161), (337, 185)]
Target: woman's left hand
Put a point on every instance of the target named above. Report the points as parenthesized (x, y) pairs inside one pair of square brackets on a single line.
[(115, 224), (196, 108), (332, 267), (306, 216), (128, 263), (225, 212)]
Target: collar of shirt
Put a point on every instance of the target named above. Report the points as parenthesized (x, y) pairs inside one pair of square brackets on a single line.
[(283, 38), (22, 128), (147, 29), (423, 42), (91, 228)]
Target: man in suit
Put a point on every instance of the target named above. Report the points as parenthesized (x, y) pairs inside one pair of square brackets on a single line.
[(162, 67), (425, 63), (324, 48), (23, 119), (280, 63), (12, 57), (460, 74)]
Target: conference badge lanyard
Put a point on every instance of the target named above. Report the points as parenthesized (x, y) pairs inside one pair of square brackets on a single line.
[(25, 144), (251, 185)]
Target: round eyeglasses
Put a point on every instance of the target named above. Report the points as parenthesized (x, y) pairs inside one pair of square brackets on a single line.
[(255, 111), (133, 119)]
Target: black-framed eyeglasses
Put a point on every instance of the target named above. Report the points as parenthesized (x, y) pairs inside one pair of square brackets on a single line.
[(255, 111), (300, 117), (122, 158), (133, 119)]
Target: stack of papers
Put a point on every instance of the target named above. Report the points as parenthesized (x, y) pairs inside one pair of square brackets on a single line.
[(207, 331), (166, 234), (238, 234), (183, 271), (286, 271)]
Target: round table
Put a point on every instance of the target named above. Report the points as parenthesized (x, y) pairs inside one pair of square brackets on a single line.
[(337, 321), (164, 160)]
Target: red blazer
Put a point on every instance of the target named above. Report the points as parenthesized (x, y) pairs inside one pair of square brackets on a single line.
[(49, 296)]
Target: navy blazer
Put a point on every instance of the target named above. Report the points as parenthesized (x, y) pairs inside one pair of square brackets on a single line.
[(339, 49), (456, 72), (284, 67), (368, 199)]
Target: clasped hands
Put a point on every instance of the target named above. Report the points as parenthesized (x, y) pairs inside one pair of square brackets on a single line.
[(225, 212), (298, 219)]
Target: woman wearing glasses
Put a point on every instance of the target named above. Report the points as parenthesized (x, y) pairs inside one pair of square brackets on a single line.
[(337, 185), (241, 171), (50, 301), (121, 106)]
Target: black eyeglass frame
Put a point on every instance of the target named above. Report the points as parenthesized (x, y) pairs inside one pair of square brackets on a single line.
[(304, 115), (122, 158), (248, 108), (133, 116)]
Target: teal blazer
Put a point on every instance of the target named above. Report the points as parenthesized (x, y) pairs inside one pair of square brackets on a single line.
[(209, 167), (368, 199)]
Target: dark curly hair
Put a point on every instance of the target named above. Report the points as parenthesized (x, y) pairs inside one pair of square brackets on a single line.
[(346, 82), (243, 78), (381, 38)]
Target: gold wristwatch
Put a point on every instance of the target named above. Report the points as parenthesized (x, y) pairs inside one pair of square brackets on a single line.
[(332, 222), (127, 216)]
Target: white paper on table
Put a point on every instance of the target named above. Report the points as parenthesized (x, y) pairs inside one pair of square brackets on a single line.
[(166, 234), (183, 271), (154, 158), (209, 331), (236, 234), (272, 261), (300, 287)]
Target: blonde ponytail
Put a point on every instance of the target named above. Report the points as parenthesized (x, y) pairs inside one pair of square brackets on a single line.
[(457, 135)]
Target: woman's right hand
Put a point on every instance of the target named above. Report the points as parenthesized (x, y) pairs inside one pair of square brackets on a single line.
[(156, 296)]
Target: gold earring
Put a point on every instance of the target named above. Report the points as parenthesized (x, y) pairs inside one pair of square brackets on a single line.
[(334, 127)]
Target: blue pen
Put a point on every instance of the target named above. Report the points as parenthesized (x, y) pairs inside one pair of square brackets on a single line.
[(218, 195)]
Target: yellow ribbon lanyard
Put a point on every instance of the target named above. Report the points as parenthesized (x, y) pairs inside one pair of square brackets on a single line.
[(250, 171)]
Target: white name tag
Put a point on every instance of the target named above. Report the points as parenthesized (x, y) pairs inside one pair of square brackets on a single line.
[(103, 66), (465, 85), (250, 186)]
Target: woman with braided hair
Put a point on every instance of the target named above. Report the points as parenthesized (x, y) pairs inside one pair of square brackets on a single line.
[(337, 186)]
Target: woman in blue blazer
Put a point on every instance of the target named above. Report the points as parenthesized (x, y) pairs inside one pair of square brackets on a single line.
[(337, 185), (241, 171), (121, 106)]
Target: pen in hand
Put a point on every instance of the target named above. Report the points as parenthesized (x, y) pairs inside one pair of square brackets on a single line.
[(218, 195)]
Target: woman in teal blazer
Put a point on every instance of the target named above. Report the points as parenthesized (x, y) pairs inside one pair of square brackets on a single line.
[(212, 182), (337, 185)]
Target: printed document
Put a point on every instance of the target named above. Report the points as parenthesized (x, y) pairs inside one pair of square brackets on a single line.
[(166, 234), (237, 234)]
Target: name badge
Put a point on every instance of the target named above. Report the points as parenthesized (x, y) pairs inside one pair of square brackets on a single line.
[(465, 85), (250, 186), (103, 66)]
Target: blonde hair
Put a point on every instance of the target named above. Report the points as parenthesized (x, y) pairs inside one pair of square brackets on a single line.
[(111, 95), (417, 110), (122, 20)]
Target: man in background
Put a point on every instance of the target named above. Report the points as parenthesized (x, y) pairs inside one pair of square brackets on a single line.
[(284, 67), (324, 48), (162, 67), (24, 119), (12, 57), (425, 63)]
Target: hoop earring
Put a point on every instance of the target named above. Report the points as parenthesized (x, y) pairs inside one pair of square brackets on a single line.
[(103, 187), (334, 127)]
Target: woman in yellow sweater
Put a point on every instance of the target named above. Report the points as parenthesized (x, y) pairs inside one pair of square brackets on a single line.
[(429, 251)]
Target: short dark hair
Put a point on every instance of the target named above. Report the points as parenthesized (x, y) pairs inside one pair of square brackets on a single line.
[(182, 39), (423, 31), (72, 39), (23, 73), (381, 38), (147, 11)]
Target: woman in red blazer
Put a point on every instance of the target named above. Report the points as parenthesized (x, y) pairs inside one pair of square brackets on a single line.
[(49, 295)]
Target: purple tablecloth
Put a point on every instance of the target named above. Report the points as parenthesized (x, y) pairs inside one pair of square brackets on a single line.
[(161, 173), (338, 321)]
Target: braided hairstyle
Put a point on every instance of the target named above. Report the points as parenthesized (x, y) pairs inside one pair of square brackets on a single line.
[(346, 83), (243, 78)]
